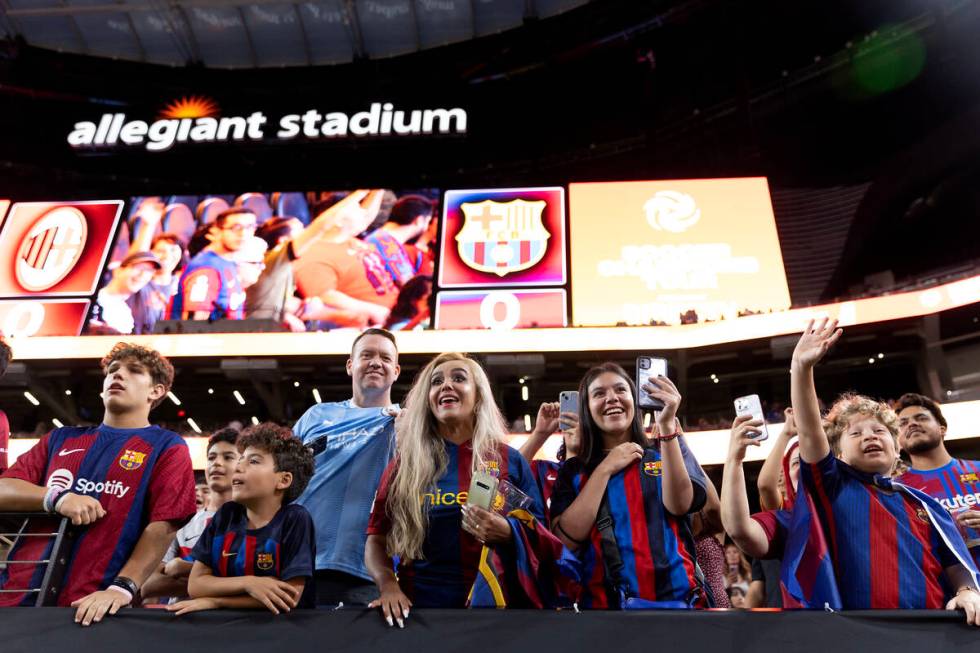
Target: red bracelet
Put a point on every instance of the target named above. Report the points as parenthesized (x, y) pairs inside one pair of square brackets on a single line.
[(668, 438)]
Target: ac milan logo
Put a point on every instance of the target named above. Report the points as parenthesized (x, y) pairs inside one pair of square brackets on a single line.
[(51, 248)]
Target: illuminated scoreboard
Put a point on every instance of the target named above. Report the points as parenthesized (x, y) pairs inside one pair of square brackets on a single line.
[(51, 257), (507, 247)]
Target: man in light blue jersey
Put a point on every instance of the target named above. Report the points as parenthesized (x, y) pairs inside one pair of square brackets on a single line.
[(352, 442)]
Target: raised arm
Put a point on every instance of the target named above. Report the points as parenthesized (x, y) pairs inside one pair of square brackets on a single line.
[(770, 498), (151, 215), (544, 425), (747, 534), (678, 491), (813, 345)]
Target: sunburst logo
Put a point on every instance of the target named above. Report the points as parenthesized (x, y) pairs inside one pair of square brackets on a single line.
[(195, 106)]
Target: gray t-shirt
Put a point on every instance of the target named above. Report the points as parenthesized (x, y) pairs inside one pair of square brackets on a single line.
[(267, 298)]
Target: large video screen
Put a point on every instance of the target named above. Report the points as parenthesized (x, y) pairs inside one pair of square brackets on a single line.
[(674, 252)]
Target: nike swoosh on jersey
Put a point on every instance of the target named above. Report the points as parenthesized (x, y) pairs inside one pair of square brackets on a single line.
[(225, 554), (65, 452)]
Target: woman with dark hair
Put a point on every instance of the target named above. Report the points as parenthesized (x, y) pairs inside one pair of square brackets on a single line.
[(622, 503)]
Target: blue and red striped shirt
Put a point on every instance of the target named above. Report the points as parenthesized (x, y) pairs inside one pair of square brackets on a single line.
[(443, 578), (656, 547), (138, 475), (285, 548), (955, 485), (885, 551), (545, 474)]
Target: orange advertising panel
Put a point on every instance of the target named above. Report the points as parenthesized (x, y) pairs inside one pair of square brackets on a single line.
[(648, 252), (55, 248)]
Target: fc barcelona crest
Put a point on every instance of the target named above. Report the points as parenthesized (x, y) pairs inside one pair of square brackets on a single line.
[(131, 460), (265, 561), (970, 477), (502, 237), (652, 468)]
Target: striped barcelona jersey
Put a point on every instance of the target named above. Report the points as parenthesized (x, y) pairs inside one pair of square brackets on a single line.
[(283, 548), (451, 555), (138, 475), (955, 485), (395, 258), (209, 284), (885, 550), (545, 475), (656, 547)]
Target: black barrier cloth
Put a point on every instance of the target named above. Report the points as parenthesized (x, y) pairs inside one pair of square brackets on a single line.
[(488, 631)]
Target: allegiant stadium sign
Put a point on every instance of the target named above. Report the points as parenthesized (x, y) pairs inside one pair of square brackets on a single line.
[(113, 130)]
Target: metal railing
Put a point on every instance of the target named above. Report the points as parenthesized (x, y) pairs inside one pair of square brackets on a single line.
[(56, 559)]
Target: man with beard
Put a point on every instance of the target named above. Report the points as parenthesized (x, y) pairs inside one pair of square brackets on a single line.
[(954, 482)]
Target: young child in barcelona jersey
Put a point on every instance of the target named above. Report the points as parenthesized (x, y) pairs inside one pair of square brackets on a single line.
[(871, 542), (259, 549), (170, 579), (127, 486)]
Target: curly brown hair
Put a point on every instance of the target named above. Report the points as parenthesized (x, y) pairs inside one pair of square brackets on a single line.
[(288, 452), (849, 405), (159, 368)]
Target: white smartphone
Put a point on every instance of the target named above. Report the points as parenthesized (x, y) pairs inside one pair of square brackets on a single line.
[(483, 490), (646, 367), (752, 405), (567, 403)]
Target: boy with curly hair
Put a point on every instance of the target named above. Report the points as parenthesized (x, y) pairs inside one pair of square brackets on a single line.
[(857, 539), (128, 484), (259, 549)]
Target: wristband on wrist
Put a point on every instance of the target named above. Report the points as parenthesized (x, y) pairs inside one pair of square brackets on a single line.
[(61, 497), (126, 586), (668, 438), (125, 592), (52, 497)]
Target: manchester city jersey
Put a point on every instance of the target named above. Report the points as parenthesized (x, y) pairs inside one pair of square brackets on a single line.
[(351, 447)]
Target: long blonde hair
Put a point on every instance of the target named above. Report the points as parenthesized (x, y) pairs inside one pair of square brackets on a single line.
[(422, 456)]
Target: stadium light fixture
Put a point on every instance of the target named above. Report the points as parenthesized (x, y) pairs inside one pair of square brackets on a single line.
[(525, 394), (67, 393), (527, 423), (316, 396), (193, 424), (239, 397), (56, 422), (31, 398), (173, 398), (255, 420), (210, 391), (295, 384)]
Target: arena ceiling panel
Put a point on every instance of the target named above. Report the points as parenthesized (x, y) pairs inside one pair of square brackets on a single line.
[(262, 34)]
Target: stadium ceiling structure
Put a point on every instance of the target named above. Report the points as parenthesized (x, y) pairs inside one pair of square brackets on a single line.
[(262, 33)]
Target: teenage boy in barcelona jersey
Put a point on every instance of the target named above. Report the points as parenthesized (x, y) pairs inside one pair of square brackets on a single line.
[(127, 487)]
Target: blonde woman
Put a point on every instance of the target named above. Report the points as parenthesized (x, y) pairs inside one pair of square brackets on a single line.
[(449, 429)]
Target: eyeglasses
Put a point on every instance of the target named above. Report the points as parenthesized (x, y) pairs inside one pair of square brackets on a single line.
[(239, 228)]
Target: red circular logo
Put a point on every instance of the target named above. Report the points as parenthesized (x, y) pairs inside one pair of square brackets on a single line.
[(51, 248)]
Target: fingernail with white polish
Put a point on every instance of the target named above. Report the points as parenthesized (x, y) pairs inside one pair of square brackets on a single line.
[(390, 622)]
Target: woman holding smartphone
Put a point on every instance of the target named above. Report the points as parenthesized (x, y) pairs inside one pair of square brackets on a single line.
[(449, 429), (622, 503)]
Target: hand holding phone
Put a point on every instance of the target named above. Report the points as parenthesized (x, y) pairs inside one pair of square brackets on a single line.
[(483, 490), (647, 367), (567, 403), (752, 405)]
